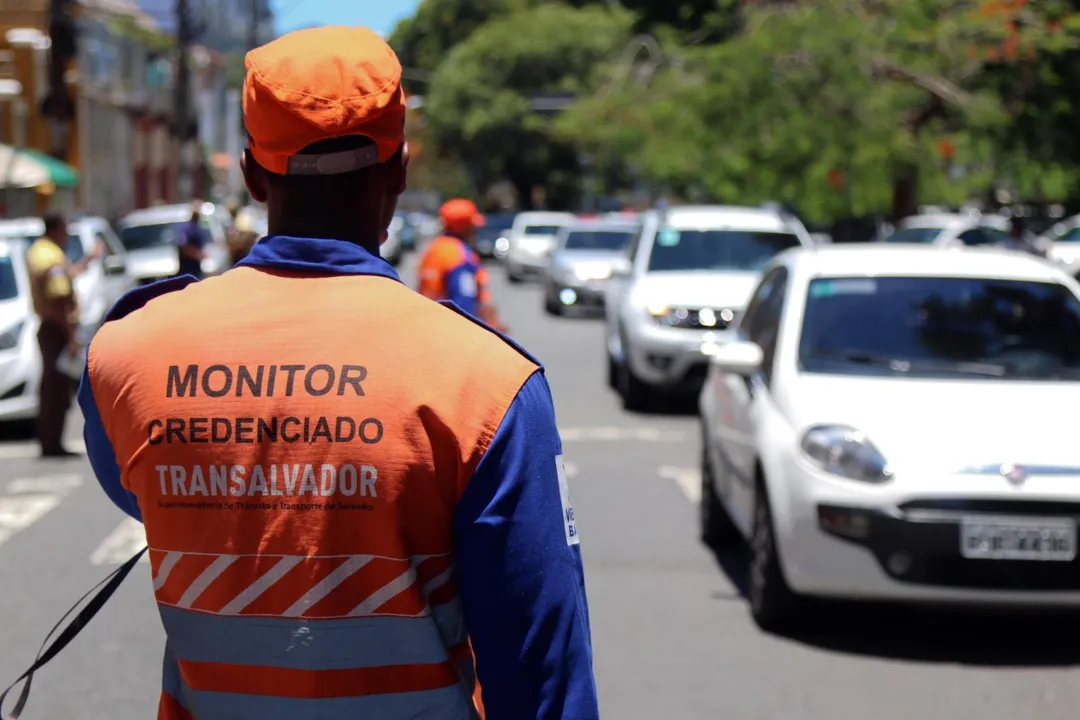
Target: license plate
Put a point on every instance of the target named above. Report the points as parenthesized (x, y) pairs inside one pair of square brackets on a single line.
[(1039, 539)]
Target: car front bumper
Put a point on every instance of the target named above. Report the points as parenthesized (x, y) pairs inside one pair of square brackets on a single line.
[(840, 539), (20, 375), (670, 357), (588, 295)]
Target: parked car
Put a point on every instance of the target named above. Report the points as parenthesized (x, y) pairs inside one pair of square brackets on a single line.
[(951, 230), (586, 256), (1062, 244), (149, 239), (496, 228), (886, 425), (691, 272), (20, 359), (531, 242), (104, 281), (392, 249)]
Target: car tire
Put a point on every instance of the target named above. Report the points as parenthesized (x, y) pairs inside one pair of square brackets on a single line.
[(636, 395), (717, 530), (514, 276), (774, 607), (552, 306), (612, 373)]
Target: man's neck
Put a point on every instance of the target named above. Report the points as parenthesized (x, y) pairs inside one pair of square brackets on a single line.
[(325, 231)]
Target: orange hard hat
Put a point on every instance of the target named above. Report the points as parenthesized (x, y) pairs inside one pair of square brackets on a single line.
[(460, 215), (319, 84)]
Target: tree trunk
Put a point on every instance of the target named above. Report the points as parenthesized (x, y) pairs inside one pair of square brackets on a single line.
[(905, 192)]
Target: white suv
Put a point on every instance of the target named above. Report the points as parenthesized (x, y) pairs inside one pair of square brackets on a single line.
[(691, 273)]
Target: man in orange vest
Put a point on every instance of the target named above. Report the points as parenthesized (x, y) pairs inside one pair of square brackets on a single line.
[(354, 497), (451, 270)]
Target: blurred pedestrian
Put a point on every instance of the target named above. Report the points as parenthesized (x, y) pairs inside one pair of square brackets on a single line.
[(191, 242), (54, 301), (354, 497), (242, 234), (452, 270), (1021, 240)]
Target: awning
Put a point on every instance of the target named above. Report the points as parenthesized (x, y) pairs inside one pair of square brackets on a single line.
[(32, 169)]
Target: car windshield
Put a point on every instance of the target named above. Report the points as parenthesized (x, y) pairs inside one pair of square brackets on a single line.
[(716, 249), (541, 230), (940, 326), (1070, 236), (141, 237), (920, 235), (613, 240), (9, 289), (495, 226)]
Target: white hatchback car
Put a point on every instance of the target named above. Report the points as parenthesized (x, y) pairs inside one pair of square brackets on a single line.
[(149, 238), (691, 271), (889, 425), (531, 241), (20, 360), (951, 230)]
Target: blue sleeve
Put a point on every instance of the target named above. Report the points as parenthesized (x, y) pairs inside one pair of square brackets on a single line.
[(99, 449), (462, 288), (520, 574)]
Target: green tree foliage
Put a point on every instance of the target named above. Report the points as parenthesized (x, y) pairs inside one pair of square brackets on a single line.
[(479, 106), (837, 106)]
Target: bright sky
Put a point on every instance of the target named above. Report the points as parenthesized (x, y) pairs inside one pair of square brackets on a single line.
[(379, 15)]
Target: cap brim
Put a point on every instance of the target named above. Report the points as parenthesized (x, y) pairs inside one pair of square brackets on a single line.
[(479, 221)]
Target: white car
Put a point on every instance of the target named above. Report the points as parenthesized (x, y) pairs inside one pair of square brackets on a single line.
[(1062, 243), (392, 248), (890, 424), (691, 272), (531, 241), (103, 282), (149, 239), (951, 230), (20, 359)]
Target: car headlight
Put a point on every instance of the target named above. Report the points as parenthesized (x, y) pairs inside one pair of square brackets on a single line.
[(585, 274), (846, 452), (9, 339), (657, 309)]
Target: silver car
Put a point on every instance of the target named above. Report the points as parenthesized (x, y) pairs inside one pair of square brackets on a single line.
[(531, 241), (690, 274), (149, 238), (586, 256)]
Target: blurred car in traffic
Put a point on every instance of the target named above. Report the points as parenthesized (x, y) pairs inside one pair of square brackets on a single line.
[(531, 241), (586, 256), (103, 282), (951, 230), (149, 239), (1062, 244), (886, 426), (20, 359), (392, 248), (691, 272), (493, 235)]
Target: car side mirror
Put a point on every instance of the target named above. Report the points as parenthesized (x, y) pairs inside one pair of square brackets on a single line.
[(740, 357), (114, 265)]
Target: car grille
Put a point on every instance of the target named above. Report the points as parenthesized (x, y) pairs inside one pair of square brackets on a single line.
[(699, 318)]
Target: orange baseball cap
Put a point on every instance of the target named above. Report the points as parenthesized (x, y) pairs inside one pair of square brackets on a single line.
[(460, 215), (318, 84)]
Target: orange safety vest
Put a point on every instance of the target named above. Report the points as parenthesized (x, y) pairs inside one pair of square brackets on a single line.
[(296, 462)]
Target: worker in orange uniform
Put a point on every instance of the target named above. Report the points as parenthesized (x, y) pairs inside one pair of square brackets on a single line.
[(354, 497), (451, 269)]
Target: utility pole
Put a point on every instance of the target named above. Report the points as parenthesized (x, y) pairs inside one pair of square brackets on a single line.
[(254, 16), (182, 97)]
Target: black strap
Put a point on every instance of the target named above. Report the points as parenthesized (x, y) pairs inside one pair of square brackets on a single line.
[(82, 619)]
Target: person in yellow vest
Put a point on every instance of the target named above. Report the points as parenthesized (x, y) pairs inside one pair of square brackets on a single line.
[(54, 301)]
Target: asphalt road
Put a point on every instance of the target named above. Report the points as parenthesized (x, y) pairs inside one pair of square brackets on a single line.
[(670, 627)]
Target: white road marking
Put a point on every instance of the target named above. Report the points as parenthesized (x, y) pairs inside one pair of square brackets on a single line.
[(127, 539), (33, 498), (31, 450), (687, 479), (615, 434)]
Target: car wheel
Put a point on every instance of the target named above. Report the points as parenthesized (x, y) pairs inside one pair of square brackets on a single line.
[(717, 530), (635, 393), (552, 306), (612, 373), (773, 605), (514, 276)]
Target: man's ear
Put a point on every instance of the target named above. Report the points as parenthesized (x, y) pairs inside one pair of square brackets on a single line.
[(254, 177), (401, 172)]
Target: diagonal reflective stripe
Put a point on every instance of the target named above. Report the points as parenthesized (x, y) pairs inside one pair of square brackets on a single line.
[(380, 596), (438, 581), (261, 585), (339, 575), (220, 564), (166, 566)]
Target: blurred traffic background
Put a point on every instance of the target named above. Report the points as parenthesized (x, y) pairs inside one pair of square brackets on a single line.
[(803, 276)]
